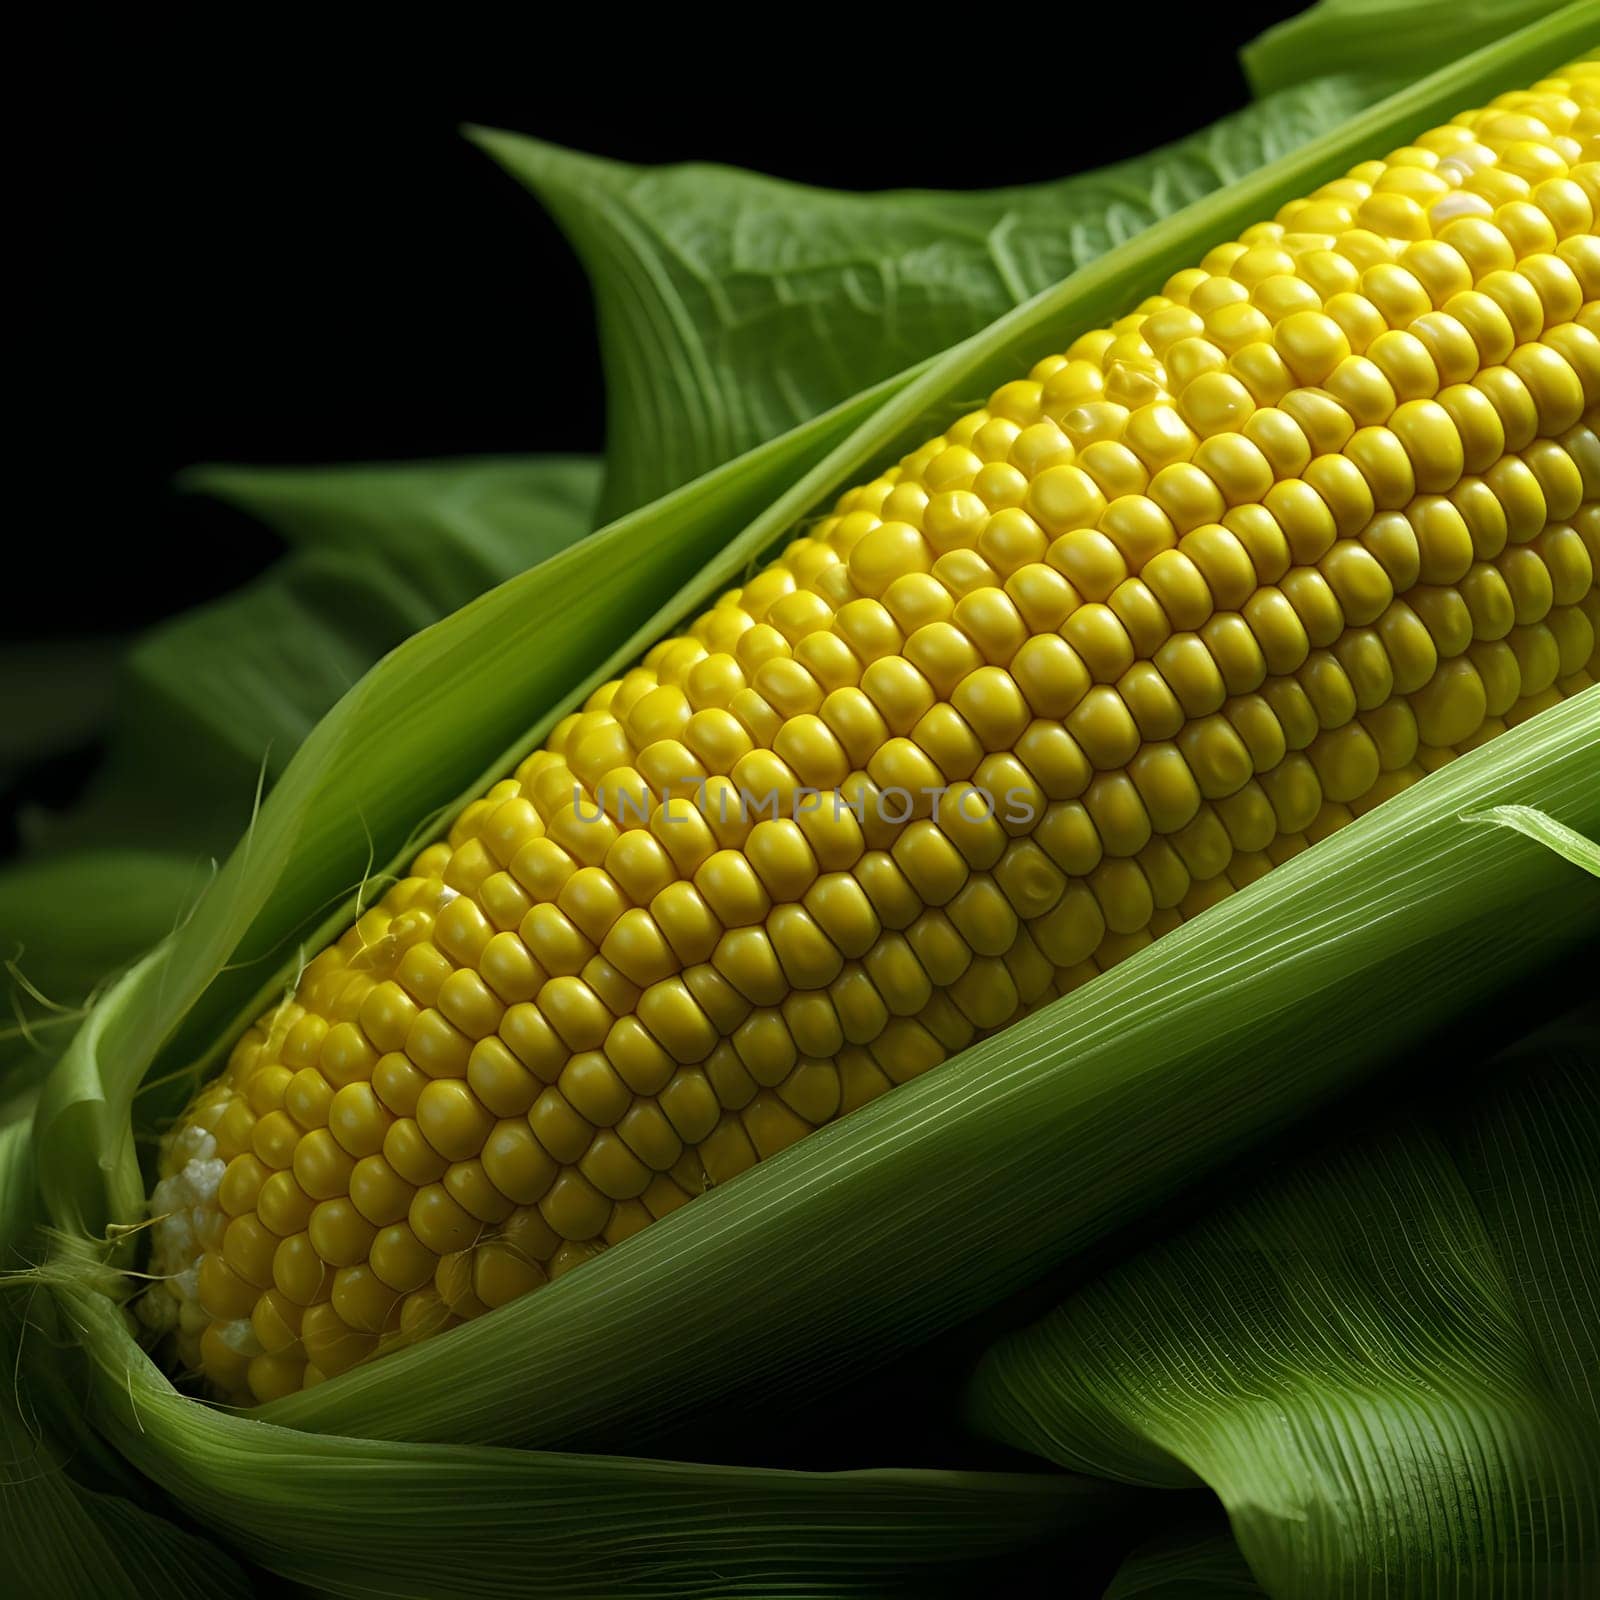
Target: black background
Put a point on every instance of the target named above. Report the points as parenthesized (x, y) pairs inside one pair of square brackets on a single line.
[(263, 240)]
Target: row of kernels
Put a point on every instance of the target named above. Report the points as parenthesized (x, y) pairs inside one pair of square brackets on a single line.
[(1134, 529), (319, 1148), (1080, 541), (1077, 565)]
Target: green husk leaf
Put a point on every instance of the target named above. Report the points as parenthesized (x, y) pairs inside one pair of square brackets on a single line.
[(1535, 825), (364, 1516), (1410, 36), (733, 306), (63, 1539), (1386, 1363), (62, 1535)]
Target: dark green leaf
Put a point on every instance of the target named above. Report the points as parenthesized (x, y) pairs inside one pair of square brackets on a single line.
[(212, 705), (222, 696), (55, 695), (449, 528), (1386, 1363), (1199, 1565), (734, 306), (70, 922)]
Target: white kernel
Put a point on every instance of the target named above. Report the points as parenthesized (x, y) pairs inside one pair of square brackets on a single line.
[(240, 1337), (1460, 204), (204, 1177), (175, 1236), (194, 1143)]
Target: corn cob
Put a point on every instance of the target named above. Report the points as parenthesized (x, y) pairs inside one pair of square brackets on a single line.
[(1318, 518)]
